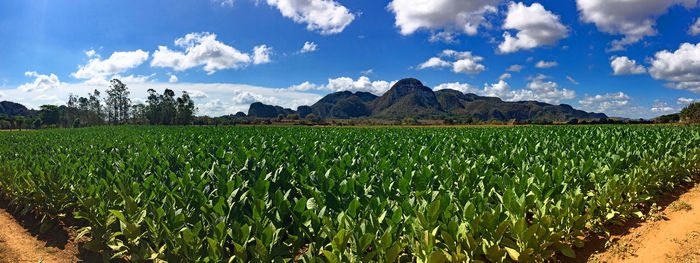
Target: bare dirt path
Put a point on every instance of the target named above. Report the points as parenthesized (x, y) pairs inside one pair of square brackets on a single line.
[(671, 234), (17, 244)]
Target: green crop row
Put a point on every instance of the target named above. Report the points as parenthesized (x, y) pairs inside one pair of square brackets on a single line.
[(270, 194)]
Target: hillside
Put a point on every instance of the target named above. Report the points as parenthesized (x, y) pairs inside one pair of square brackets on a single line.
[(410, 98), (14, 109)]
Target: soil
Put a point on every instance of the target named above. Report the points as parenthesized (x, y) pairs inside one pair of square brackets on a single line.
[(21, 240), (670, 233)]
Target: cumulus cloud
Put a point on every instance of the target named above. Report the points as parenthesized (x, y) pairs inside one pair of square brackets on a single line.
[(546, 64), (133, 78), (97, 70), (538, 89), (41, 82), (462, 87), (633, 19), (441, 15), (201, 49), (515, 68), (173, 79), (625, 66), (695, 28), (346, 84), (614, 104), (662, 107), (505, 76), (535, 25), (246, 97), (325, 16), (261, 54), (686, 101), (308, 47), (681, 67), (461, 62), (197, 94)]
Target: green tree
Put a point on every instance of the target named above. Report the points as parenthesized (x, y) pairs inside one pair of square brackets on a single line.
[(691, 113), (185, 109), (49, 114), (117, 101)]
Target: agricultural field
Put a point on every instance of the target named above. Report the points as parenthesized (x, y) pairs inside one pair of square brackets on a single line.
[(261, 194)]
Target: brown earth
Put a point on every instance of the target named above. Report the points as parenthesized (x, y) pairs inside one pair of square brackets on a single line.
[(22, 241), (669, 233)]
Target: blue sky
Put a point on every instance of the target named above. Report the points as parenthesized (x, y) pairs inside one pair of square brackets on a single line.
[(625, 58)]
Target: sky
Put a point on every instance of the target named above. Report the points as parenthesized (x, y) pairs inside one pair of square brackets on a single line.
[(625, 58)]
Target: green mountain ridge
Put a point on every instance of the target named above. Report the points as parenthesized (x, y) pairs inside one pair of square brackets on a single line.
[(409, 98)]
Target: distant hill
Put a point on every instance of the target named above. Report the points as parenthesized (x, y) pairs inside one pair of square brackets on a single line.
[(15, 109), (410, 98)]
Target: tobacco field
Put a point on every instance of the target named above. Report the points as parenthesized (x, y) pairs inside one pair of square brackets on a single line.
[(281, 194)]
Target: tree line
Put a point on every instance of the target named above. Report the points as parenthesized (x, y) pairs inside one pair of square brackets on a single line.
[(115, 109)]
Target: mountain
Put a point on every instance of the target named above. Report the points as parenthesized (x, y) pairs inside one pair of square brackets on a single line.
[(260, 110), (407, 98), (410, 98), (15, 109)]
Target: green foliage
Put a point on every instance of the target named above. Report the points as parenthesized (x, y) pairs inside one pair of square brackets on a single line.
[(262, 194), (691, 113)]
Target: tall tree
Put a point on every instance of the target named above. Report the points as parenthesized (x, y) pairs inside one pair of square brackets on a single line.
[(117, 101), (49, 114), (185, 109), (168, 107), (95, 108)]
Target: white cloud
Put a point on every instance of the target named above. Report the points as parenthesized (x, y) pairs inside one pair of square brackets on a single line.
[(515, 68), (681, 67), (306, 86), (133, 79), (197, 94), (464, 62), (633, 19), (308, 47), (537, 89), (572, 80), (91, 53), (535, 25), (225, 3), (325, 16), (173, 79), (201, 49), (695, 28), (434, 62), (346, 84), (686, 101), (261, 54), (662, 107), (612, 104), (505, 76), (41, 82), (441, 15), (246, 97), (625, 66), (96, 70), (367, 72), (546, 64), (461, 87), (45, 97)]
